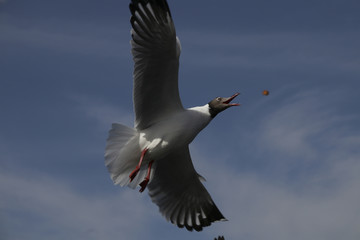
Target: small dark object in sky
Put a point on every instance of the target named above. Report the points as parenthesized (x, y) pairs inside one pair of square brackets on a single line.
[(220, 238), (266, 92)]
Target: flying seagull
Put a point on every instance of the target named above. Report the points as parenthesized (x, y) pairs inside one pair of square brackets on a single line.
[(155, 153)]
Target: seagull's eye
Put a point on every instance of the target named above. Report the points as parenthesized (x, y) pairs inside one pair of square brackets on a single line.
[(218, 99)]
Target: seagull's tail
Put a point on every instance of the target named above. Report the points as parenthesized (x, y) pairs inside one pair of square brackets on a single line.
[(122, 153)]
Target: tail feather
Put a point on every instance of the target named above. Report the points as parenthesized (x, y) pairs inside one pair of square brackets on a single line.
[(121, 153)]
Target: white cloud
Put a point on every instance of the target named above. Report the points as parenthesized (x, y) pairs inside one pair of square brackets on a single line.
[(323, 206), (270, 50), (260, 209), (292, 128), (103, 113), (36, 206), (320, 202), (309, 125)]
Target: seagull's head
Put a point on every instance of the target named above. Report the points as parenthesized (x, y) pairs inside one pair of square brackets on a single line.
[(219, 104)]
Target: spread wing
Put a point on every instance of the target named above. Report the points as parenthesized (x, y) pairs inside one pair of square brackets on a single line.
[(156, 52), (181, 197)]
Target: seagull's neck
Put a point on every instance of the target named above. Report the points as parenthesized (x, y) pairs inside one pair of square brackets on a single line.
[(197, 119), (205, 110)]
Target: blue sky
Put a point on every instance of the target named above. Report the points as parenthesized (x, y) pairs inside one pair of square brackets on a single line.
[(285, 166)]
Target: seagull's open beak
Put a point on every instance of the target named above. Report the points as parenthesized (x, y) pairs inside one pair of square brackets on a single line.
[(228, 100)]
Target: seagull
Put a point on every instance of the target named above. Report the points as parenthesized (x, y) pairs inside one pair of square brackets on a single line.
[(155, 153)]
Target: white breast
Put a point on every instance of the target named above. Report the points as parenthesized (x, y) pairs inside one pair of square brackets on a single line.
[(174, 131)]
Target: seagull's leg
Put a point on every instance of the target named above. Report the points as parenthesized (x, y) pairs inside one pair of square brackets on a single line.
[(136, 170), (144, 183)]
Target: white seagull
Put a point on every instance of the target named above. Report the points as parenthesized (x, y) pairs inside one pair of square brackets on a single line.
[(155, 154)]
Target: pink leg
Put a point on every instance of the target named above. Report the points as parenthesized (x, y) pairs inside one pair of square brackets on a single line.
[(136, 170), (144, 183)]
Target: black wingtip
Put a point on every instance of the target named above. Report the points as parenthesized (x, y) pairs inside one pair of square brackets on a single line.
[(220, 238), (162, 4)]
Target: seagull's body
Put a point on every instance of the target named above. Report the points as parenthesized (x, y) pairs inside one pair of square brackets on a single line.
[(178, 129), (155, 153)]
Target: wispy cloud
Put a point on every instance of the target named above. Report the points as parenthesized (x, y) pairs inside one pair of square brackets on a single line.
[(317, 195), (262, 209), (272, 50), (309, 125), (102, 112), (293, 127), (59, 211)]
